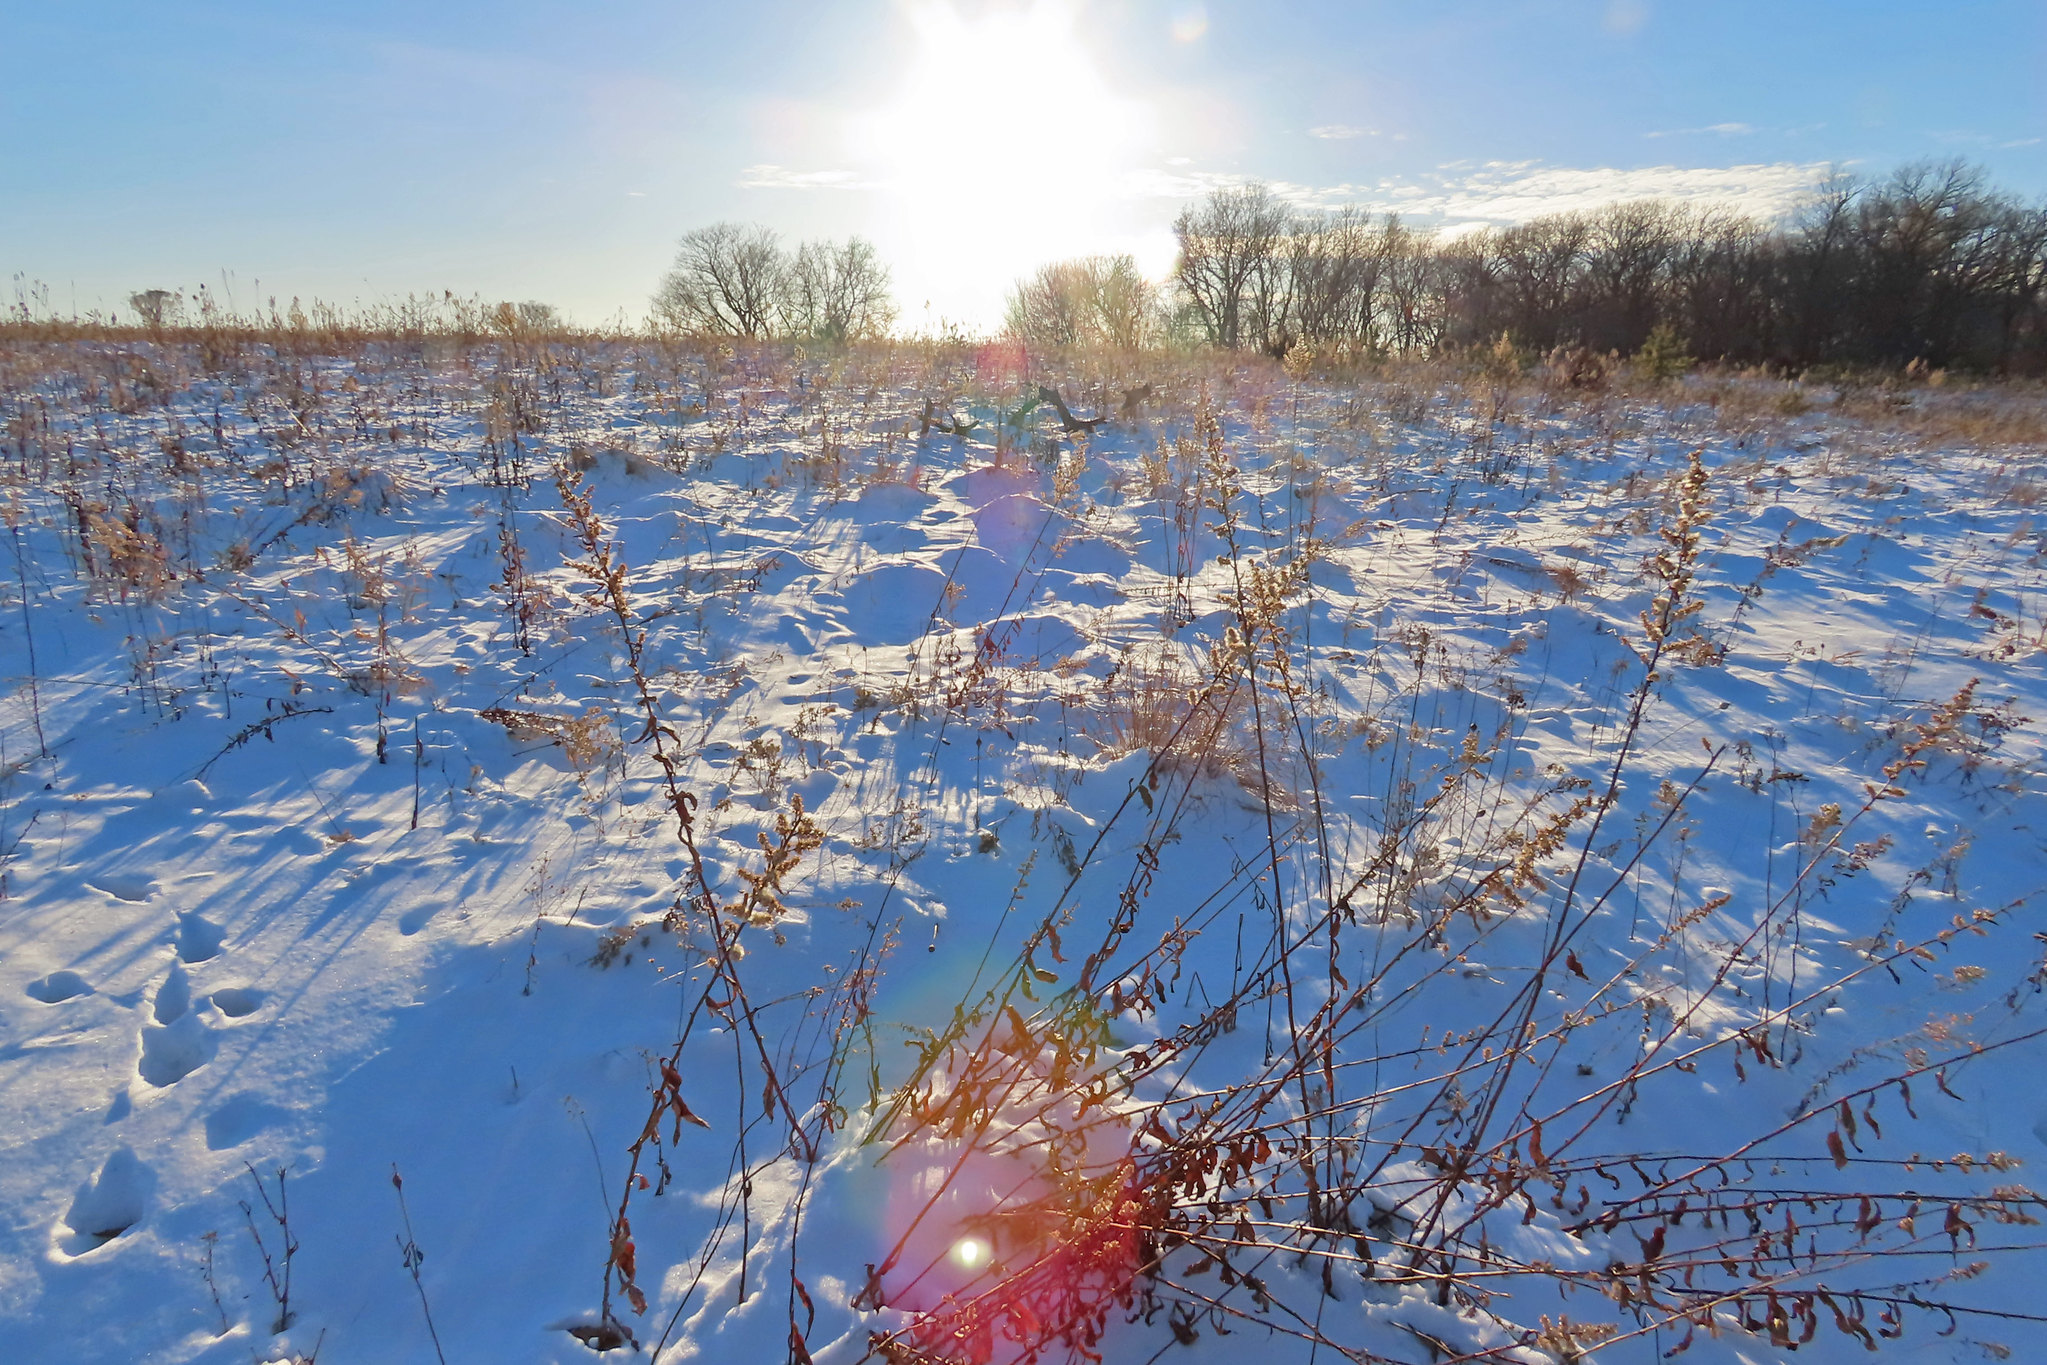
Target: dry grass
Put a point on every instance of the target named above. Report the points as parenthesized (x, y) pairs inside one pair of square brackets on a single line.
[(1193, 1180)]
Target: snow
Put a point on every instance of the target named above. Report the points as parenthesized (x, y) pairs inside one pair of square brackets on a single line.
[(281, 896)]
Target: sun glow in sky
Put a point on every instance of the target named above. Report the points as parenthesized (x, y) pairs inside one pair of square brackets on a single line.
[(1004, 145), (537, 149)]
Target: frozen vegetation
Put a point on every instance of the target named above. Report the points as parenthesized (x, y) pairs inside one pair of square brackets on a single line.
[(839, 856)]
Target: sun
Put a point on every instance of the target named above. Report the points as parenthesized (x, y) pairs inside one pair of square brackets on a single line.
[(988, 89), (1005, 145)]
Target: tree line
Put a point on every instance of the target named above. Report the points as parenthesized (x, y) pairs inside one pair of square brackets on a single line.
[(1930, 264)]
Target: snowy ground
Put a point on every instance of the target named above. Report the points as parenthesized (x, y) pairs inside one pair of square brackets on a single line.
[(1235, 862)]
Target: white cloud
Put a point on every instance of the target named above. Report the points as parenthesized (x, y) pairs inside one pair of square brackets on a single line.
[(1194, 184), (1515, 193), (1722, 129), (1177, 183), (768, 176), (1464, 195), (1339, 132), (1965, 138)]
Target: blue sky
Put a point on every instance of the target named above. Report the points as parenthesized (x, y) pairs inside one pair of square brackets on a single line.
[(542, 150)]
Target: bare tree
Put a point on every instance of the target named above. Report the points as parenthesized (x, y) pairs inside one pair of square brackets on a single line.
[(535, 316), (156, 307), (1092, 301), (1723, 273), (531, 318), (1539, 275), (2018, 286), (1336, 263), (1626, 261), (1414, 294), (1915, 232), (728, 279), (1820, 261), (1228, 244), (1126, 303), (837, 292), (1051, 309)]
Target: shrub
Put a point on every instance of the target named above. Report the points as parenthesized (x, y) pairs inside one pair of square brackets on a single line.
[(1092, 301), (1663, 355)]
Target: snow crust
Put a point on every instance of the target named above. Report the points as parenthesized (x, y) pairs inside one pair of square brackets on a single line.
[(278, 895)]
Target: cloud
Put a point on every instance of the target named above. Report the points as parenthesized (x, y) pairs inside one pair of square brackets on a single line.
[(1964, 138), (1516, 192), (1182, 184), (1722, 129), (1178, 183), (1338, 132), (768, 176), (1465, 195)]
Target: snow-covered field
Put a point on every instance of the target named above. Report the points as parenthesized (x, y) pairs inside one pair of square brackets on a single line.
[(1226, 883)]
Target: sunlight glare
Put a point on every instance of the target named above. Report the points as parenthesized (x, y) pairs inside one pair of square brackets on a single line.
[(1003, 143), (970, 1253)]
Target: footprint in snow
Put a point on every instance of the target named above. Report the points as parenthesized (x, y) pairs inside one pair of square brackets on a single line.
[(237, 1002), (199, 938), (58, 987), (107, 1205), (124, 887), (240, 1117), (178, 1043), (415, 919), (174, 996)]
